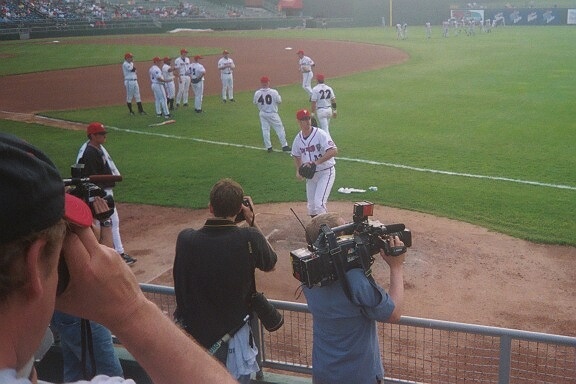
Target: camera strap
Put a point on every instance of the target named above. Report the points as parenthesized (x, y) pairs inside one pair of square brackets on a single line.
[(87, 347), (337, 258)]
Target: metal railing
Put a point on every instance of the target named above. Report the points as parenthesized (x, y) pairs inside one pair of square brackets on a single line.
[(421, 350)]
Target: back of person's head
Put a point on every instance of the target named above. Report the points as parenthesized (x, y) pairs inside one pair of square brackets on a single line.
[(331, 219), (33, 207), (226, 198)]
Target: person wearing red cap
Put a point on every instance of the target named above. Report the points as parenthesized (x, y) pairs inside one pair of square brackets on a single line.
[(42, 225), (97, 161), (314, 146), (182, 66), (323, 102), (157, 83), (306, 65), (197, 72), (226, 67), (267, 100), (168, 74), (131, 84)]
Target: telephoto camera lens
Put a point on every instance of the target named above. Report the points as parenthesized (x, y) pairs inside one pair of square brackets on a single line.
[(270, 317)]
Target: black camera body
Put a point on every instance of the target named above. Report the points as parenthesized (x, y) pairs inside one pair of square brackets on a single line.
[(352, 245), (240, 216), (87, 191)]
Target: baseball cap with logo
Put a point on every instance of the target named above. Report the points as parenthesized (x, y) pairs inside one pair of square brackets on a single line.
[(303, 114), (32, 192), (128, 55), (95, 127), (264, 79), (183, 51)]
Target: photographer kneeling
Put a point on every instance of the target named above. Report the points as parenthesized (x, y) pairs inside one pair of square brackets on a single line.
[(214, 278), (346, 348)]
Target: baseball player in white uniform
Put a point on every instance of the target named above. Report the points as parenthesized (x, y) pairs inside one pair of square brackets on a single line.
[(313, 145), (267, 101), (323, 103), (182, 66), (157, 83), (168, 75), (226, 67), (131, 84), (305, 65), (197, 72)]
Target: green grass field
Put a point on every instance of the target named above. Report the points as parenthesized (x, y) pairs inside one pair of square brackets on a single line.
[(480, 129)]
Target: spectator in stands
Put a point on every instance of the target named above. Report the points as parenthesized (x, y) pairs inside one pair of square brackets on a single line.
[(40, 224), (345, 339)]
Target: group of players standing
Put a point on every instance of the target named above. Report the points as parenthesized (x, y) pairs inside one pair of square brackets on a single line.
[(312, 146)]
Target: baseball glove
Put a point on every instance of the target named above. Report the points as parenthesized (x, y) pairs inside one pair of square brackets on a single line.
[(307, 170)]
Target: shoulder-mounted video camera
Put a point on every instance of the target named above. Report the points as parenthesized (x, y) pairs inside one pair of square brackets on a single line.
[(352, 245)]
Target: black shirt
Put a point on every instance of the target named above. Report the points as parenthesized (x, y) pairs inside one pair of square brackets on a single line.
[(213, 276)]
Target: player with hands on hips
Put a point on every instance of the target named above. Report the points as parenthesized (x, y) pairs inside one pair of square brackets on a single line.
[(267, 100), (313, 145), (323, 102), (226, 67), (168, 74), (305, 65), (182, 67), (157, 83), (197, 73), (131, 84)]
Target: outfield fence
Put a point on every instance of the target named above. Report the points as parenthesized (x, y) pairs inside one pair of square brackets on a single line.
[(420, 350)]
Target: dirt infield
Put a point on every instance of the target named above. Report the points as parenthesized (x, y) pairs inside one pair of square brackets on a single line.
[(455, 271)]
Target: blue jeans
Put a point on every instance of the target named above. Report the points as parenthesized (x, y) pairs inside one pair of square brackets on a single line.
[(107, 362)]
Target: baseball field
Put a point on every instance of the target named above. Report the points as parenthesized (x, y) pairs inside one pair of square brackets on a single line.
[(469, 139)]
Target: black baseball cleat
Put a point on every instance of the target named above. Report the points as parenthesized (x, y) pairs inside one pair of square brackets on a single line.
[(224, 101), (286, 148), (232, 100), (185, 104), (270, 150), (199, 110), (128, 259)]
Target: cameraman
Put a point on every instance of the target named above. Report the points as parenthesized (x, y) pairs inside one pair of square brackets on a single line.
[(40, 224), (214, 277), (345, 342)]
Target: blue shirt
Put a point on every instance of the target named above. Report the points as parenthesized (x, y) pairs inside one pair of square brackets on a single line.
[(346, 348)]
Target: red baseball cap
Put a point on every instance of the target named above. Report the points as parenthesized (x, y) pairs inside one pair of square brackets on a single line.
[(95, 127), (320, 77), (128, 55), (303, 114), (77, 211), (156, 59), (183, 50), (264, 79), (300, 52), (198, 57), (166, 59)]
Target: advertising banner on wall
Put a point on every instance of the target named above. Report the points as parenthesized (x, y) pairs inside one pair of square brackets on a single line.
[(571, 19), (528, 16)]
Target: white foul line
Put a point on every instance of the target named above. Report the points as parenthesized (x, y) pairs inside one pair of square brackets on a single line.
[(371, 162)]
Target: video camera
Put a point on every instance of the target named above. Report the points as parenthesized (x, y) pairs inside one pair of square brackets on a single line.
[(86, 189), (352, 245)]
